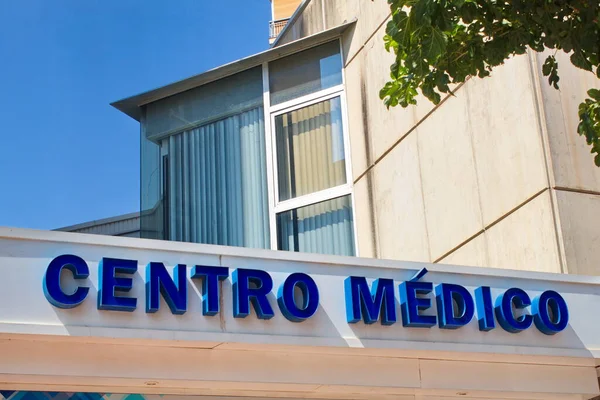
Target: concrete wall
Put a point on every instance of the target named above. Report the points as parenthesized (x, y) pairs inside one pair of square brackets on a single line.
[(492, 177), (575, 179)]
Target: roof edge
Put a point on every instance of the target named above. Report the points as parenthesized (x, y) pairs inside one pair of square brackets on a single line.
[(292, 19), (131, 105), (103, 221)]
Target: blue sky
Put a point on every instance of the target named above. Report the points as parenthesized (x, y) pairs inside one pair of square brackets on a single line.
[(67, 156)]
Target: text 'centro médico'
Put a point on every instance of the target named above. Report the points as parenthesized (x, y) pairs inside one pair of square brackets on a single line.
[(513, 309)]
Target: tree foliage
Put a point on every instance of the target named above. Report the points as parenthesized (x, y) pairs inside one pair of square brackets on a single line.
[(438, 43)]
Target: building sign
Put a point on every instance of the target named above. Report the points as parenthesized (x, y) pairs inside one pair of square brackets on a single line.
[(298, 296)]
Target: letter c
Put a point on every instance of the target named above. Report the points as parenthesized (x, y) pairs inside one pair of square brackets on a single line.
[(51, 283), (513, 298)]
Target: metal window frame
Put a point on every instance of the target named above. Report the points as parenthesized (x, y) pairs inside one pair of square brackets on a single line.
[(307, 99)]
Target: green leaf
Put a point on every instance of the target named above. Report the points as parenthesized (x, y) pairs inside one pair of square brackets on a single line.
[(442, 80), (441, 42), (468, 12), (550, 69), (429, 92), (434, 45), (594, 94), (579, 60), (423, 10), (390, 43)]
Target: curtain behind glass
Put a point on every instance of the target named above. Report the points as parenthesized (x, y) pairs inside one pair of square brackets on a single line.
[(325, 228), (218, 183), (310, 149)]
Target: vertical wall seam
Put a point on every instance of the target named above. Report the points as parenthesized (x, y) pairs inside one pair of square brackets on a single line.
[(477, 177), (541, 119), (373, 217), (423, 197), (323, 14), (369, 181)]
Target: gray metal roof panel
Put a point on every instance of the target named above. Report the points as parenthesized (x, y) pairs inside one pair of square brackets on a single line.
[(101, 222)]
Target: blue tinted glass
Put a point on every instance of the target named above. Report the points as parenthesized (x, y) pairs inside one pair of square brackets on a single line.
[(306, 72), (325, 228), (203, 165)]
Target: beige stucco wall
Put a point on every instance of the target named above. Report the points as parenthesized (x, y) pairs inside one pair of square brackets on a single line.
[(574, 177), (496, 176)]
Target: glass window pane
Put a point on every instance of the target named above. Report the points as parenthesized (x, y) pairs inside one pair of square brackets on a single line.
[(310, 149), (306, 72), (203, 165), (217, 183), (206, 103), (151, 203), (325, 228)]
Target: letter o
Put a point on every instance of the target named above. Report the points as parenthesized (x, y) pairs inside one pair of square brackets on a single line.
[(287, 302), (546, 303)]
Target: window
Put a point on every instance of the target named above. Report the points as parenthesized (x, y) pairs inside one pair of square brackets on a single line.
[(313, 195), (325, 227), (213, 172), (310, 149), (218, 189), (306, 72), (257, 159)]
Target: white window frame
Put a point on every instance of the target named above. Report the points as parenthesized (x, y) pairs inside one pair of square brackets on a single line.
[(271, 111), (315, 197), (307, 99)]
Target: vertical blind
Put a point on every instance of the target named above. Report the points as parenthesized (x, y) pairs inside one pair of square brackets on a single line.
[(217, 190), (324, 228), (310, 149)]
